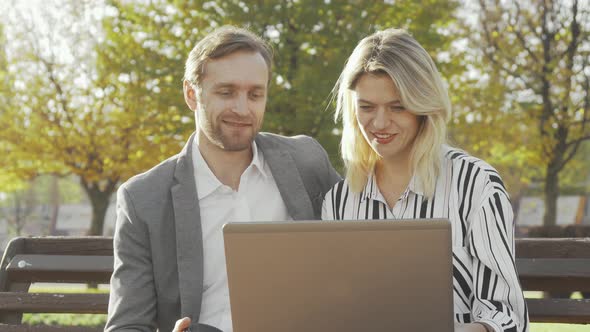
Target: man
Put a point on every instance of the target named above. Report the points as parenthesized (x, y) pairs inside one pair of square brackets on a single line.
[(168, 244)]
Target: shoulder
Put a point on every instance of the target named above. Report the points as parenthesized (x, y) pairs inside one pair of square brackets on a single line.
[(340, 192), (153, 181), (467, 169), (336, 199), (306, 152), (294, 143)]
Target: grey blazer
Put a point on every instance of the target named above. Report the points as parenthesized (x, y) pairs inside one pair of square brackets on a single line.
[(158, 247)]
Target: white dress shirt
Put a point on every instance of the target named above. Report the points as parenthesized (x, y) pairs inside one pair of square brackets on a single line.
[(257, 199)]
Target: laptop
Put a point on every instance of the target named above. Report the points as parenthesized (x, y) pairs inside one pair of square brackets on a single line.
[(345, 276)]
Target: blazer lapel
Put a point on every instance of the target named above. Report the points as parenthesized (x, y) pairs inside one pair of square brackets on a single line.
[(189, 239), (288, 179)]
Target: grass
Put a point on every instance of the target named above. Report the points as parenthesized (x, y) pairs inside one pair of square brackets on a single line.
[(92, 320), (89, 320)]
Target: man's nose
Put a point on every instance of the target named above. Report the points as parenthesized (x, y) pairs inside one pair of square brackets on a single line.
[(241, 104)]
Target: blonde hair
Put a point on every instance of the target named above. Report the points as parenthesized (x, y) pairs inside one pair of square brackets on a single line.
[(221, 42), (395, 53)]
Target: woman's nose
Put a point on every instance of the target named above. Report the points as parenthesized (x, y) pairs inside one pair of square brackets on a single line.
[(381, 120)]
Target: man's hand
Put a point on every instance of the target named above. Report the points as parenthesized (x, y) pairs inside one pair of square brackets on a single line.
[(182, 324)]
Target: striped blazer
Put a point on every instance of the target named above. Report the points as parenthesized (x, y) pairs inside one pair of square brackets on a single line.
[(470, 193)]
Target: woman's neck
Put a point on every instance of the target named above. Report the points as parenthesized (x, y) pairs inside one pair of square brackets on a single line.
[(392, 179)]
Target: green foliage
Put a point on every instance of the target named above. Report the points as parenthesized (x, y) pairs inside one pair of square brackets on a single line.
[(9, 182), (477, 126), (311, 40)]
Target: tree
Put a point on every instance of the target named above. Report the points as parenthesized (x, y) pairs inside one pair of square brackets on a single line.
[(478, 109), (106, 102), (17, 207), (8, 181), (311, 39), (64, 123), (541, 49)]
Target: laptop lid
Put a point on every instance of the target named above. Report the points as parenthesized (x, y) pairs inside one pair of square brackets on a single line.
[(370, 275)]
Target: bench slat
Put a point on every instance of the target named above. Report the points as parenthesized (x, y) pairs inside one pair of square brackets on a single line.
[(71, 263), (60, 268), (555, 284), (60, 245), (554, 274), (47, 328), (553, 248), (553, 267), (54, 303), (559, 310)]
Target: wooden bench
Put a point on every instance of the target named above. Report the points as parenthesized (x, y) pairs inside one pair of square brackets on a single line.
[(55, 260), (543, 265), (555, 265)]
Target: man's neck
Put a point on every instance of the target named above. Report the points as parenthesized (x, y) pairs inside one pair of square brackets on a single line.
[(227, 166)]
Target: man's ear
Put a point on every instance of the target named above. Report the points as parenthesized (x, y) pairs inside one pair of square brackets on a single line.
[(190, 95)]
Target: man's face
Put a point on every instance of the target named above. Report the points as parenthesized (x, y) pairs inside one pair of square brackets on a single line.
[(230, 102)]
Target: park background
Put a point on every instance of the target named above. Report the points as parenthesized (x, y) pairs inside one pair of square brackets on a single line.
[(91, 93)]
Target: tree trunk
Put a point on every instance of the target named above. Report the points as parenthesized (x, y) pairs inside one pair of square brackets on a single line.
[(99, 199), (99, 196), (551, 194), (55, 203), (17, 215), (100, 204)]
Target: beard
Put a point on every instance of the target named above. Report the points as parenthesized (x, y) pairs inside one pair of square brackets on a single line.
[(230, 138)]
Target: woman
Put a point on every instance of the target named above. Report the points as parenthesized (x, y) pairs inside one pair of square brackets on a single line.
[(394, 107)]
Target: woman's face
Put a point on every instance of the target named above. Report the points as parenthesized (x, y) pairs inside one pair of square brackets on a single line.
[(387, 126)]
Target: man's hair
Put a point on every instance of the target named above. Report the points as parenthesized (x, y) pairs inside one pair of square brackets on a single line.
[(221, 42), (395, 53)]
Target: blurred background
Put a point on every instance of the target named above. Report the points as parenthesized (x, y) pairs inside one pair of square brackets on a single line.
[(91, 94)]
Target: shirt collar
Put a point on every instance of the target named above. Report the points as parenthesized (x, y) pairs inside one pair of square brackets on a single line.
[(207, 182), (415, 186), (258, 160), (372, 191)]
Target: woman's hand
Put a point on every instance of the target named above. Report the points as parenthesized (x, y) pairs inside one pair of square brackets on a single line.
[(182, 324)]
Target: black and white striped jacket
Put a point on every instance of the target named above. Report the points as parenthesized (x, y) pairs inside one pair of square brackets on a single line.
[(471, 194)]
